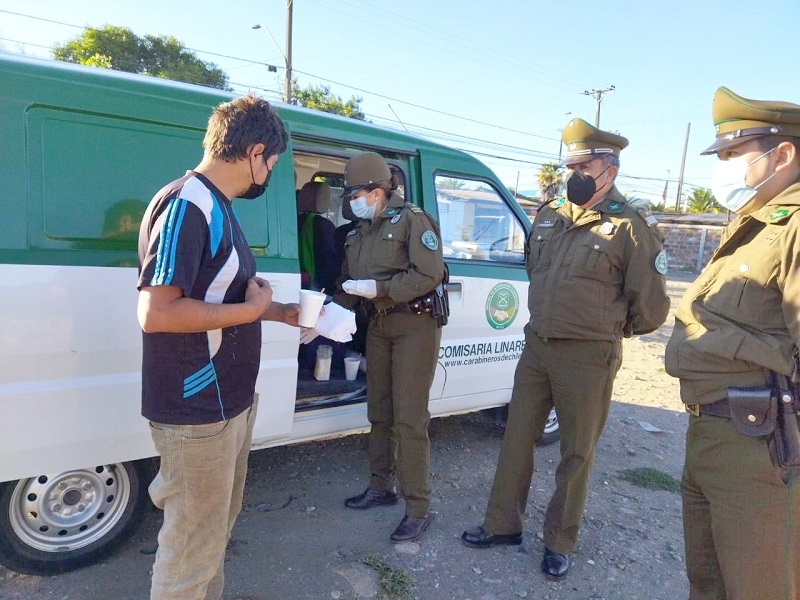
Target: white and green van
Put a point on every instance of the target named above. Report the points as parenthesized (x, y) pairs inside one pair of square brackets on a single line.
[(83, 150)]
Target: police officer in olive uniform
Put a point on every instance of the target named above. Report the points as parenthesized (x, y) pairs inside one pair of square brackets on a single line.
[(392, 257), (738, 326), (596, 268)]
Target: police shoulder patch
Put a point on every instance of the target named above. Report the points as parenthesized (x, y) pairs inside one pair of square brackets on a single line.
[(648, 217), (429, 240), (414, 207), (661, 263)]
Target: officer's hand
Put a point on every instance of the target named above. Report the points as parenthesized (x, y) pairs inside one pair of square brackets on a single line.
[(308, 335), (366, 288)]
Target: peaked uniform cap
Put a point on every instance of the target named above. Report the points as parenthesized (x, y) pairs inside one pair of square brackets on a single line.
[(585, 142), (738, 120), (365, 169)]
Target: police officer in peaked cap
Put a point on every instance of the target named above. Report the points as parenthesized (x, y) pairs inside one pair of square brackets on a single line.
[(596, 268), (393, 262), (734, 349)]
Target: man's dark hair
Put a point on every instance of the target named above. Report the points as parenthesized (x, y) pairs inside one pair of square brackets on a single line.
[(768, 142), (236, 125)]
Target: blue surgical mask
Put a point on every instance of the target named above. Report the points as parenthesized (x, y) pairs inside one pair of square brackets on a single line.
[(361, 209), (728, 182)]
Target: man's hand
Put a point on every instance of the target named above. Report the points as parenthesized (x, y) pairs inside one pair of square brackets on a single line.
[(282, 313), (291, 313), (259, 295), (366, 288)]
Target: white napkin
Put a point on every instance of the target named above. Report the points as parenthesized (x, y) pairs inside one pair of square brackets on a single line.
[(337, 323)]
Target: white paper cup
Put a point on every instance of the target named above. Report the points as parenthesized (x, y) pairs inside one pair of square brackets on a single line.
[(351, 367), (310, 304)]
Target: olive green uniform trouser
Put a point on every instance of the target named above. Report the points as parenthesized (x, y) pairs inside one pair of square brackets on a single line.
[(741, 516), (577, 377), (402, 351)]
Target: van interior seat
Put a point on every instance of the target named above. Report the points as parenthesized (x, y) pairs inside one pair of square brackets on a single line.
[(316, 237)]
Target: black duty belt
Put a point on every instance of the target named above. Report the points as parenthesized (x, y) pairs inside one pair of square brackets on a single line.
[(720, 408), (403, 307)]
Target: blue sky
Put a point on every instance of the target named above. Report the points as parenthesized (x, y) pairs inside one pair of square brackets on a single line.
[(497, 78)]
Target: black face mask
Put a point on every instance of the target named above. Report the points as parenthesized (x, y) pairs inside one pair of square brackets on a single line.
[(581, 187), (255, 190)]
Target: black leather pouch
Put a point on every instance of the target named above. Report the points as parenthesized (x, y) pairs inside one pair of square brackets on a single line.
[(754, 411), (787, 434)]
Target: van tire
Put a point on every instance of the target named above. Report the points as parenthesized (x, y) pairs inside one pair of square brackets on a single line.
[(551, 428), (59, 522)]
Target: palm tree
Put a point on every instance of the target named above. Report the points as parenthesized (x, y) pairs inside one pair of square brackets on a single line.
[(550, 181), (702, 200), (450, 183)]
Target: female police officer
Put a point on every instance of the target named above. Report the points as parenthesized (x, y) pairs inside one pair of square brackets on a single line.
[(393, 258)]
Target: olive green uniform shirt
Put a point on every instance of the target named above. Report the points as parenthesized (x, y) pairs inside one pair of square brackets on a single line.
[(742, 314), (594, 271), (400, 248)]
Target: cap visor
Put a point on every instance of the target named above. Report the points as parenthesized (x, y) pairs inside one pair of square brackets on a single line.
[(725, 143)]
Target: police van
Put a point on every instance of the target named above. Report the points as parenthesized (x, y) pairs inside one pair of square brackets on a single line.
[(83, 151)]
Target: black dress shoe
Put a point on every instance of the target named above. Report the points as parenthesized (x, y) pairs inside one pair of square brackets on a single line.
[(478, 538), (410, 528), (371, 498), (554, 565)]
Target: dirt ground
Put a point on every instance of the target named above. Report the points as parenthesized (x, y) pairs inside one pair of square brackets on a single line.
[(295, 539)]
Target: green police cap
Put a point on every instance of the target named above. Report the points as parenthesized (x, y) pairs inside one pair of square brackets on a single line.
[(585, 143), (738, 120), (363, 170)]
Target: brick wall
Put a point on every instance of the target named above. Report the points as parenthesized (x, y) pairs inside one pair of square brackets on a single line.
[(689, 247)]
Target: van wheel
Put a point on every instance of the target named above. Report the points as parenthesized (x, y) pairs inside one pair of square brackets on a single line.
[(551, 429), (59, 522)]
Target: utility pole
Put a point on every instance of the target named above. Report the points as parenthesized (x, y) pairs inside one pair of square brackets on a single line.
[(287, 56), (683, 163), (598, 94), (287, 82)]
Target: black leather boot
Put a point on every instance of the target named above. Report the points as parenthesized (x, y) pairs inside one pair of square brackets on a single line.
[(370, 498)]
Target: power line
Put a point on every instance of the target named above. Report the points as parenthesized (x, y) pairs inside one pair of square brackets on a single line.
[(422, 130)]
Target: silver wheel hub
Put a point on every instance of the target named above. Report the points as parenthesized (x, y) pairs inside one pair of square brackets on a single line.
[(69, 510)]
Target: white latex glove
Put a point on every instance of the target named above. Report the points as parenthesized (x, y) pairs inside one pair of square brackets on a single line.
[(366, 288), (308, 335)]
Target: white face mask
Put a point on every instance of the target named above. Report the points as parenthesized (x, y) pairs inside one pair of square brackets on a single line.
[(361, 209), (728, 182)]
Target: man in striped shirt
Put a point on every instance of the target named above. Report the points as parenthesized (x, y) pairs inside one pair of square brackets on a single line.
[(200, 307)]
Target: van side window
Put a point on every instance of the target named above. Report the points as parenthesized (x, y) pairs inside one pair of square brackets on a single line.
[(476, 223)]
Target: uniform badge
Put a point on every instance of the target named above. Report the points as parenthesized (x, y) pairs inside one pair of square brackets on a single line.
[(778, 214), (661, 262), (558, 203), (615, 207), (351, 232), (391, 211), (607, 228), (395, 219), (429, 240), (546, 224)]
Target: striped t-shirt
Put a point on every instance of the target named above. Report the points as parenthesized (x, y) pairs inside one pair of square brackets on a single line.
[(190, 238)]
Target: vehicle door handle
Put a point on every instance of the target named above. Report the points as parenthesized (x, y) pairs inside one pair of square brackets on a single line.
[(453, 286)]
